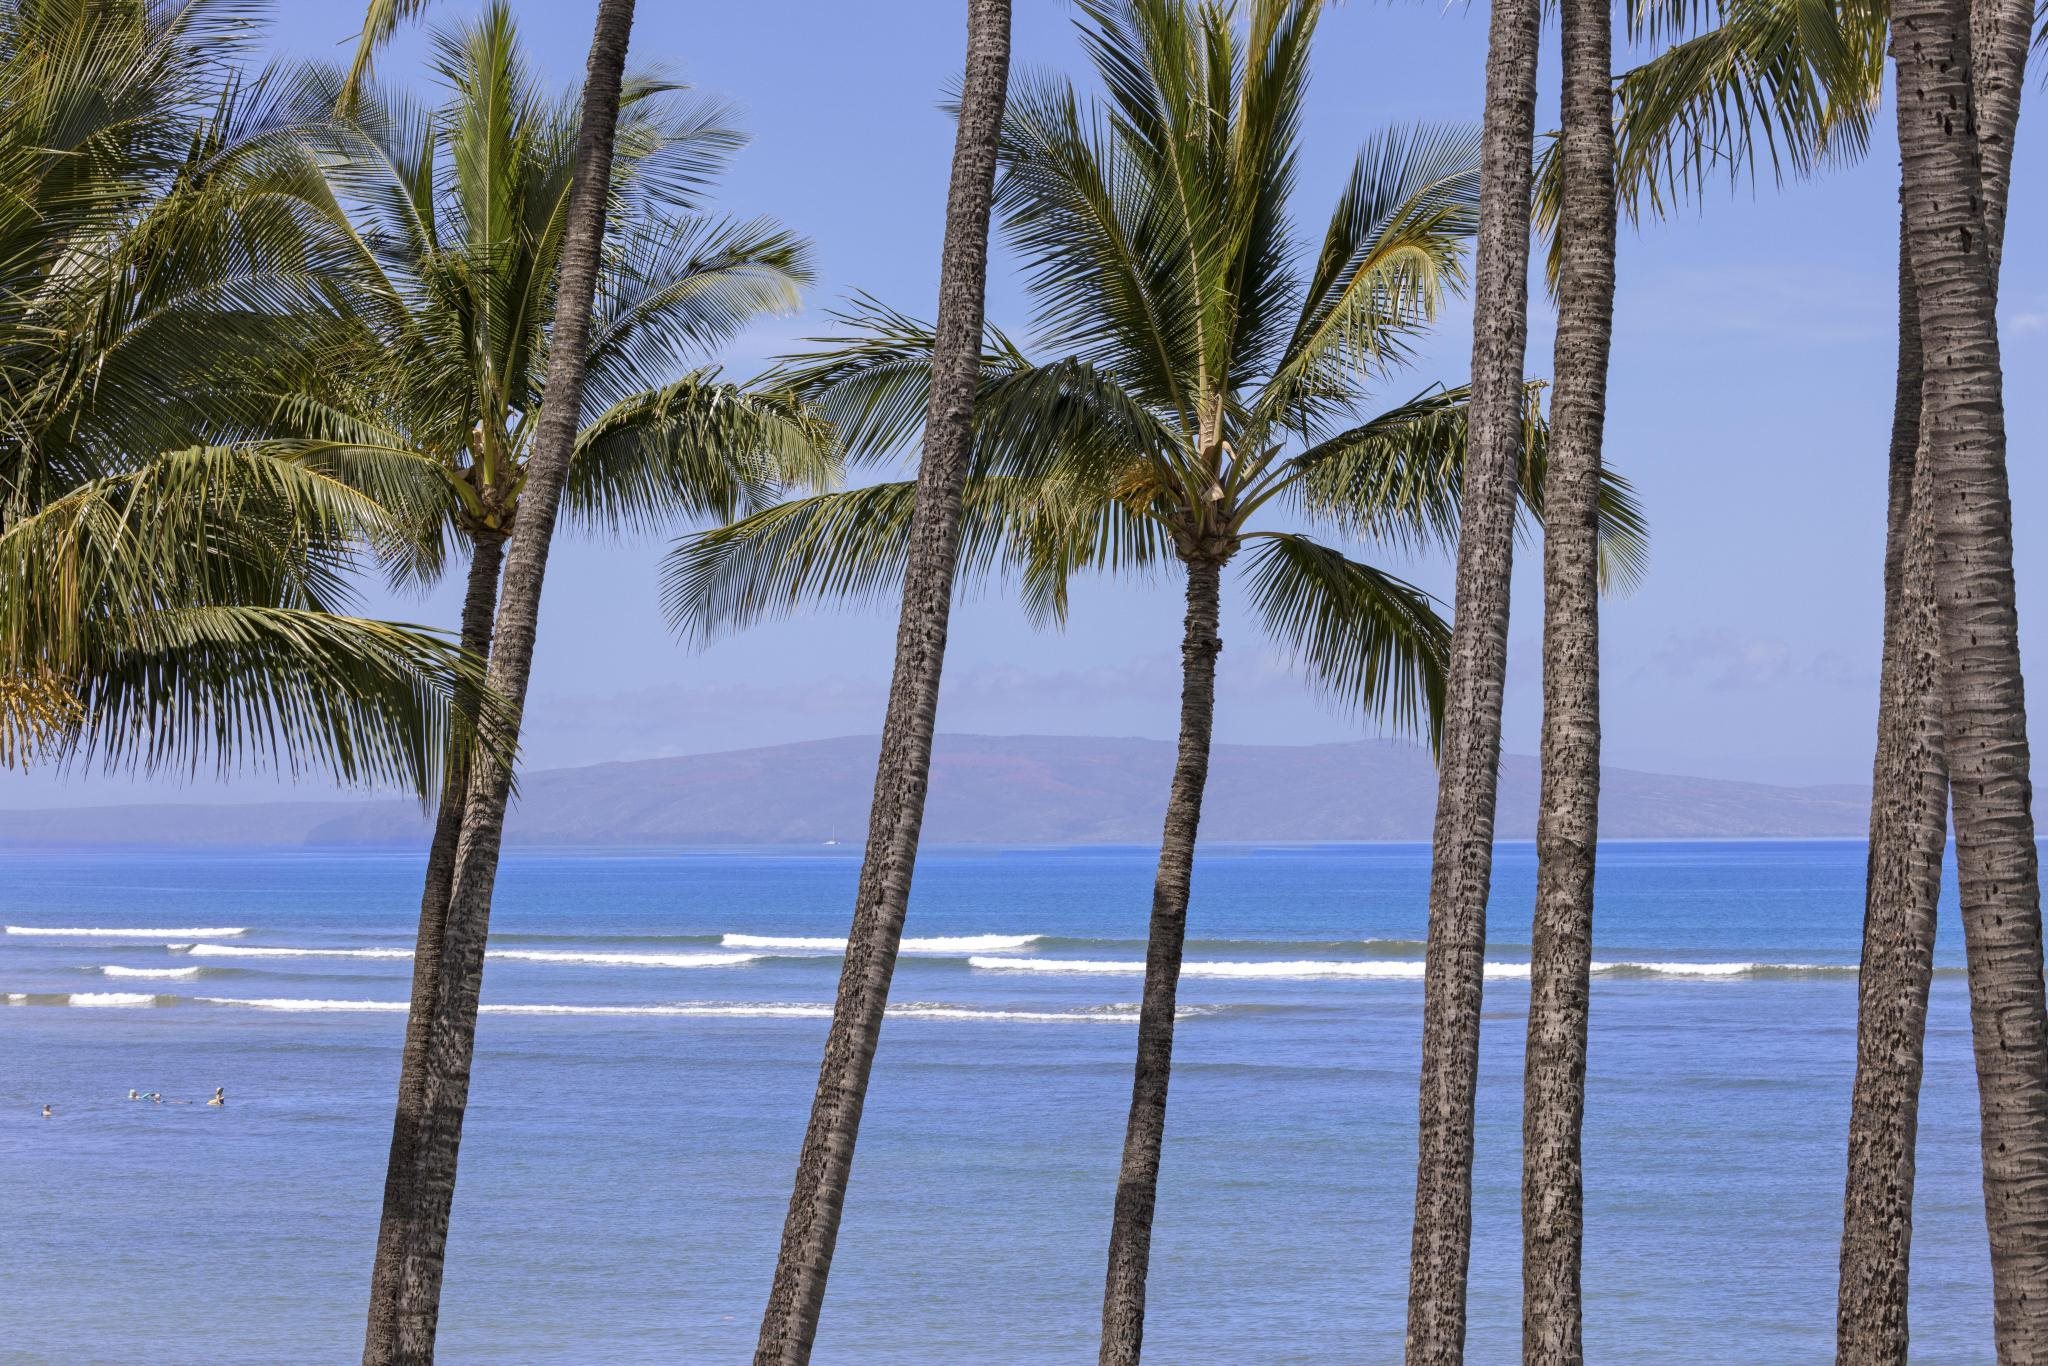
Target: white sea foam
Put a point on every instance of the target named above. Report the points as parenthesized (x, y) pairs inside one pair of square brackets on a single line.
[(626, 960), (1729, 969), (594, 958), (922, 1012), (100, 932), (114, 970), (111, 998), (1395, 969), (254, 951), (1298, 968), (703, 1009), (959, 943)]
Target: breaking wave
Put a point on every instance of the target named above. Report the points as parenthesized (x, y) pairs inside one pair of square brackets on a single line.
[(960, 943), (1297, 968), (1402, 970), (1725, 970), (916, 1010), (255, 951), (626, 960)]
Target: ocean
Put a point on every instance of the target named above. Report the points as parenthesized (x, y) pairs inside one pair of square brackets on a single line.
[(650, 1044)]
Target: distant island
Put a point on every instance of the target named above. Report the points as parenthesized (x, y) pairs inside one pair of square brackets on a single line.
[(1018, 789)]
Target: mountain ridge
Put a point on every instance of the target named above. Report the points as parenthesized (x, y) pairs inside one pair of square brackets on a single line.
[(1020, 789)]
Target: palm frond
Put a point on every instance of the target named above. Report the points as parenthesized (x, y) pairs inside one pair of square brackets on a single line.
[(1399, 478), (39, 716), (872, 382), (189, 609), (1392, 252), (1107, 256), (1788, 85), (1363, 637), (686, 287), (847, 547), (235, 687), (695, 447), (381, 19), (191, 528), (1396, 477)]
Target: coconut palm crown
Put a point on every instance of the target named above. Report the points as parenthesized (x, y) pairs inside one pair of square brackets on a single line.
[(458, 214), (1196, 367), (172, 589)]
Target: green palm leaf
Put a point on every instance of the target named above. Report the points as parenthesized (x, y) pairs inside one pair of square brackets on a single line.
[(1364, 637), (848, 547), (694, 448)]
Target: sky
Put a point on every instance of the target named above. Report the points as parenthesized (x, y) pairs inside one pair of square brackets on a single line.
[(1749, 403)]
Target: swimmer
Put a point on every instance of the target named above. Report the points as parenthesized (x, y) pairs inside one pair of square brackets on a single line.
[(220, 1096), (46, 1112), (156, 1096), (134, 1094)]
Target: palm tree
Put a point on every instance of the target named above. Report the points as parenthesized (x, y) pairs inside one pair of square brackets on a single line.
[(1461, 866), (459, 230), (1802, 87), (1206, 370), (1962, 426), (1567, 826), (413, 1241), (789, 1323), (171, 587)]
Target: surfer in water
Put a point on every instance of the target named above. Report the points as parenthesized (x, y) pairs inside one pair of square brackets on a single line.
[(134, 1094), (220, 1096), (46, 1112)]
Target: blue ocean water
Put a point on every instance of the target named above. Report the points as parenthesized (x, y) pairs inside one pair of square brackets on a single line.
[(650, 1046)]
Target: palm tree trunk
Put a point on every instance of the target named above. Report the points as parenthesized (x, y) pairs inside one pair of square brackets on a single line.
[(790, 1322), (1568, 813), (1462, 866), (1910, 787), (1984, 705), (1137, 1187), (401, 1198), (423, 1232), (1908, 829)]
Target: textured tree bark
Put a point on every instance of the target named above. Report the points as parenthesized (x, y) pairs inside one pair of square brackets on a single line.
[(1908, 830), (401, 1198), (1137, 1187), (1909, 791), (1984, 704), (1462, 864), (790, 1323), (1568, 805), (423, 1233)]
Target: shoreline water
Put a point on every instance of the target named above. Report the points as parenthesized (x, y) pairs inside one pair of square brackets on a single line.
[(645, 1113)]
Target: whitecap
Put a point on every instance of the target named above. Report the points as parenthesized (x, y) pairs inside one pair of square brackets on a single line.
[(959, 943), (595, 959), (1297, 969), (255, 951), (114, 970), (111, 998), (626, 960), (708, 1010), (1727, 969)]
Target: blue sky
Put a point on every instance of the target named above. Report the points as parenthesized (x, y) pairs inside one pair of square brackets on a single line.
[(1750, 402)]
